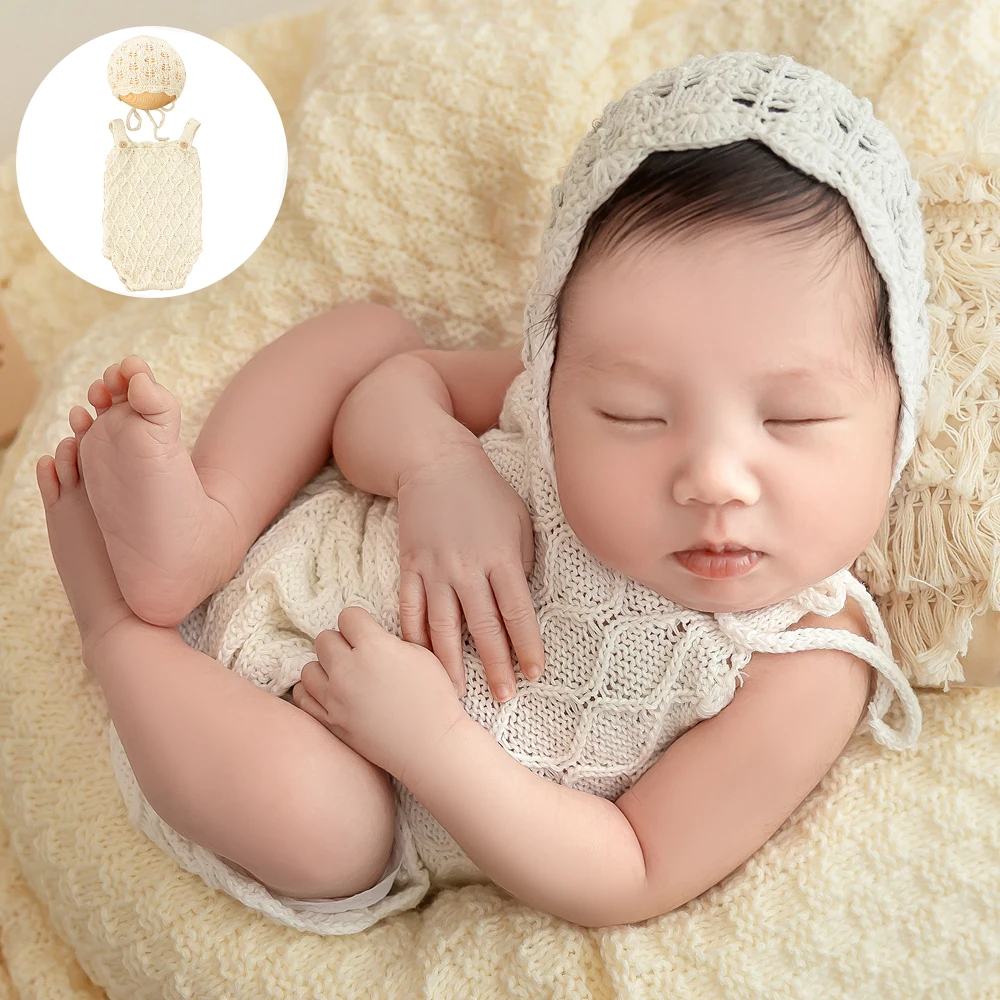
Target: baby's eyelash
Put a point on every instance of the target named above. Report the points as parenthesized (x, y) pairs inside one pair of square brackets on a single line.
[(629, 420), (801, 420), (772, 420), (796, 421)]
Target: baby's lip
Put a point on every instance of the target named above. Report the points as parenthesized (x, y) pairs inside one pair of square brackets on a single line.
[(726, 545)]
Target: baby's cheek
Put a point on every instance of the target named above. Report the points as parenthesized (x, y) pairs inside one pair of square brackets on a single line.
[(607, 491), (599, 504), (872, 479), (849, 501)]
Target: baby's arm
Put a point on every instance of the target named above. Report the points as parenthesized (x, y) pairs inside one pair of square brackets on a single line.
[(466, 544), (722, 789), (711, 800), (417, 408)]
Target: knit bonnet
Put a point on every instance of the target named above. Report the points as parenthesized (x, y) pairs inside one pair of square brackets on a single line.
[(146, 65), (809, 119)]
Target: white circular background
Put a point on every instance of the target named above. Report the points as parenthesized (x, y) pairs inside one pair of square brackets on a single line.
[(64, 140)]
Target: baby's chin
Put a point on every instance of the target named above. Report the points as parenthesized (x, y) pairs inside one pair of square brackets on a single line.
[(759, 588)]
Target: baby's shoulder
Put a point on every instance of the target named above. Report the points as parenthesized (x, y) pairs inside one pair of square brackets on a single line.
[(828, 672)]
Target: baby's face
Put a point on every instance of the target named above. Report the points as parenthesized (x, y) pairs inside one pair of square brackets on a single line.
[(721, 392)]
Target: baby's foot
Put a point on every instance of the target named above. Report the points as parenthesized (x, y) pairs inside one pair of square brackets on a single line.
[(78, 548), (166, 537)]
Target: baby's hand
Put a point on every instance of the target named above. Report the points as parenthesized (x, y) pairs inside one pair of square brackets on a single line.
[(387, 699), (466, 544)]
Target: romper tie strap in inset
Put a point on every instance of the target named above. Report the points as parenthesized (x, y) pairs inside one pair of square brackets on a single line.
[(117, 127), (187, 135)]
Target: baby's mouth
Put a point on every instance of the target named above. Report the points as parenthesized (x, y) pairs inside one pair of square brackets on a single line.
[(716, 562)]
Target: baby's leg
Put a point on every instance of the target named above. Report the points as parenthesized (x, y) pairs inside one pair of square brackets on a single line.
[(243, 773), (177, 526)]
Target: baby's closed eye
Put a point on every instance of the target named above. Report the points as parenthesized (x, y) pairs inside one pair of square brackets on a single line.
[(802, 419)]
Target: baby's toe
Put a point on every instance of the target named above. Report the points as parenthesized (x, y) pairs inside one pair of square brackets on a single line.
[(116, 383), (48, 481), (134, 365), (80, 420), (66, 467), (154, 401), (98, 396)]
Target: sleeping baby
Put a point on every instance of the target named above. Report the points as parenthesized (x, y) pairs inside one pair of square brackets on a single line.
[(646, 516)]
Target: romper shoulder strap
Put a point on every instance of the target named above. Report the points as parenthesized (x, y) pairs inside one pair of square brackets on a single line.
[(877, 653), (117, 127), (190, 127)]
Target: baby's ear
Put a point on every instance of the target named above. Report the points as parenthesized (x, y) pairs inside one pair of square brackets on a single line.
[(18, 384)]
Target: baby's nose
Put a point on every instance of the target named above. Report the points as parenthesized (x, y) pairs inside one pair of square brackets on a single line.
[(715, 477)]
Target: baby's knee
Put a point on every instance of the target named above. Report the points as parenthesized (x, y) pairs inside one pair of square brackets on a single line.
[(338, 840), (393, 332)]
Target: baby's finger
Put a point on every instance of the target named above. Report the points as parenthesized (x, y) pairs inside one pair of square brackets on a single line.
[(301, 698), (510, 587), (483, 617), (444, 620), (313, 681), (413, 608), (330, 646)]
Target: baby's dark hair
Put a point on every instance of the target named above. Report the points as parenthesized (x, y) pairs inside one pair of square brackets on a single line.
[(674, 191)]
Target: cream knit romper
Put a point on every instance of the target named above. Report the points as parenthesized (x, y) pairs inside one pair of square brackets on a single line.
[(152, 208)]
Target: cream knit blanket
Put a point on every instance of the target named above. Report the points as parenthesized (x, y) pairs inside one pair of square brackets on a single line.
[(424, 139)]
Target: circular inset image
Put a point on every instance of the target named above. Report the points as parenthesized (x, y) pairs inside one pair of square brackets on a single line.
[(151, 161)]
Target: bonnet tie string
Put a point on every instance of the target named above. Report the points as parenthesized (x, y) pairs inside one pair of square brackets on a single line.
[(156, 125)]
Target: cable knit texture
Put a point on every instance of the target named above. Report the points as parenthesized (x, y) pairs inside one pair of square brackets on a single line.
[(424, 141), (152, 208), (629, 670)]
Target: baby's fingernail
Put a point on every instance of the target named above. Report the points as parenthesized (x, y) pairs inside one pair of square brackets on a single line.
[(503, 692), (532, 672)]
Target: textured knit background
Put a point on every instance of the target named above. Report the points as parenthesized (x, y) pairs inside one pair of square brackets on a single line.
[(424, 138)]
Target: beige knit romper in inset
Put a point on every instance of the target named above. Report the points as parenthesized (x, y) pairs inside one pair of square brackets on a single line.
[(152, 208)]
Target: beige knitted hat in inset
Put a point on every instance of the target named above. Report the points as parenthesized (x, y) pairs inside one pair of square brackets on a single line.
[(143, 72), (145, 64)]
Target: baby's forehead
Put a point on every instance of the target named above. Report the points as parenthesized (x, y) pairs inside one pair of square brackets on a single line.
[(735, 274), (610, 362), (661, 319)]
